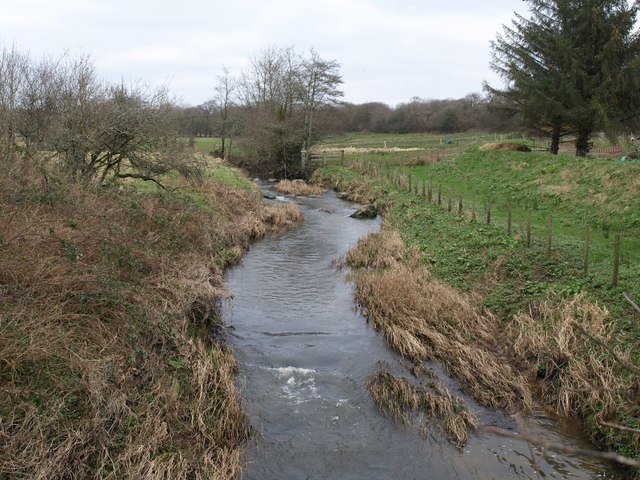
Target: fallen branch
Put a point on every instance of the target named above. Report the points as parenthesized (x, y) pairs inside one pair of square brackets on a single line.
[(628, 299), (619, 427), (558, 447)]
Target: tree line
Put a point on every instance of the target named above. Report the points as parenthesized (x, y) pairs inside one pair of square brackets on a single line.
[(474, 112), (572, 68)]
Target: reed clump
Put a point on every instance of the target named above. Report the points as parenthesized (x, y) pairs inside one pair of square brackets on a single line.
[(401, 401), (511, 146), (282, 215), (109, 366), (571, 348), (425, 319), (376, 250), (298, 187)]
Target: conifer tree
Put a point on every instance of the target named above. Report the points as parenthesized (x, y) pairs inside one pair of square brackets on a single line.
[(572, 67)]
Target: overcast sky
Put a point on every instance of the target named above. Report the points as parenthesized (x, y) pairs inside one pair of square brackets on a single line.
[(389, 51)]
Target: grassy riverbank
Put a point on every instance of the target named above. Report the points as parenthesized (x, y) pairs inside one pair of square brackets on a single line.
[(112, 362), (573, 335)]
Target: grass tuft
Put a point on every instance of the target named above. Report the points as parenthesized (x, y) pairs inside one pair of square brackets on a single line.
[(425, 319), (400, 400), (298, 187)]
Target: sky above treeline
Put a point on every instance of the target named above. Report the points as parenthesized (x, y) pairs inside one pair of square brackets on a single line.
[(389, 51)]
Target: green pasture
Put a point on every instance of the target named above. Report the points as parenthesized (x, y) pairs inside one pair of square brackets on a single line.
[(208, 145), (410, 140), (573, 193)]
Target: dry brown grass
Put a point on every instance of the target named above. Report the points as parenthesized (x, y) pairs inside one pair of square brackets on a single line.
[(400, 400), (511, 146), (298, 187), (108, 364), (358, 191), (561, 343), (376, 250), (282, 215), (425, 319)]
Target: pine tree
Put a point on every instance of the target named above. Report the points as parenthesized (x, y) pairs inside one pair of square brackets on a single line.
[(572, 67)]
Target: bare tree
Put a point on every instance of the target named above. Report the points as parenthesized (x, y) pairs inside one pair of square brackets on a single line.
[(282, 92), (226, 119), (96, 131), (13, 67), (39, 104), (320, 80)]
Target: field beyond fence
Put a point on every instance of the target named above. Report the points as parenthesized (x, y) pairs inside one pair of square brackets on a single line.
[(605, 247)]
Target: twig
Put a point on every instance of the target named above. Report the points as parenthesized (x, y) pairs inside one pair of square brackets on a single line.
[(633, 304), (626, 365), (619, 427), (534, 461), (558, 447)]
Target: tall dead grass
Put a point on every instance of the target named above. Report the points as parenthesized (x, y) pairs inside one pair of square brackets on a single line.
[(400, 400), (108, 364), (512, 146), (561, 343), (376, 250), (282, 215), (298, 187), (424, 319)]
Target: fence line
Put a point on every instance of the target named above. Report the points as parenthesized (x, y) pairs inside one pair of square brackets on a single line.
[(407, 182)]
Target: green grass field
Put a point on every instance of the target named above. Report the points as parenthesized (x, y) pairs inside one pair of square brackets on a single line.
[(408, 140), (576, 193), (211, 144)]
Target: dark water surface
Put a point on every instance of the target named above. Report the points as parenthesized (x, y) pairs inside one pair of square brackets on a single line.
[(306, 355)]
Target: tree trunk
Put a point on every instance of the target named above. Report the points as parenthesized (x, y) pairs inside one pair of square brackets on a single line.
[(582, 143), (555, 139)]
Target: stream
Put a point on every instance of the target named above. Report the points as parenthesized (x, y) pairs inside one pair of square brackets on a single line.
[(306, 354)]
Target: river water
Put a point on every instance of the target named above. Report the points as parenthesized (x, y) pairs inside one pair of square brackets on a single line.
[(306, 354)]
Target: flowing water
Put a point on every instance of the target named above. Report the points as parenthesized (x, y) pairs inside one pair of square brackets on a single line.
[(306, 354)]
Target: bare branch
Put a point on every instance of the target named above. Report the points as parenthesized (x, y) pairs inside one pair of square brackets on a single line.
[(619, 427), (558, 447), (146, 178), (628, 299)]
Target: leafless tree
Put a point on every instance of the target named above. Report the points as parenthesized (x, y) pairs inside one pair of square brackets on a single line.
[(282, 92), (13, 67), (320, 80), (96, 131), (226, 122)]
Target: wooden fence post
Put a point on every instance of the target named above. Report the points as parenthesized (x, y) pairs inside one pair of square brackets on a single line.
[(439, 194), (489, 212), (430, 191), (460, 205), (449, 205), (586, 251), (616, 260), (410, 183), (549, 234), (529, 228), (342, 157), (424, 188)]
